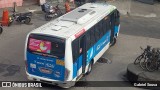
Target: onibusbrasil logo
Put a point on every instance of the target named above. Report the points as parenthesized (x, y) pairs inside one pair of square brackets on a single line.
[(20, 84)]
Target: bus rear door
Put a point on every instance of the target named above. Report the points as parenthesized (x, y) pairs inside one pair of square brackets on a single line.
[(79, 56), (83, 52)]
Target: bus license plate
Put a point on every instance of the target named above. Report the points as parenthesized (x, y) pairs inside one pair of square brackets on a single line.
[(45, 70)]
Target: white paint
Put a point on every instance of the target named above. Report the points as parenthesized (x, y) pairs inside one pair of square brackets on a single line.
[(68, 59), (101, 53), (101, 11)]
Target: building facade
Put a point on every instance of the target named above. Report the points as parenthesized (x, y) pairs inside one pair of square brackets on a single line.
[(10, 3)]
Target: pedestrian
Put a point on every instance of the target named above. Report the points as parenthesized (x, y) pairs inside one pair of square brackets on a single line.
[(67, 6)]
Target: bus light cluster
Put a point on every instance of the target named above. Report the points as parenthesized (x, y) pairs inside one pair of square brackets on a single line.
[(79, 33)]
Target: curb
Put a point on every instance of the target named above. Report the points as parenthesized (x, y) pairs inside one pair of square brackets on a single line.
[(135, 73)]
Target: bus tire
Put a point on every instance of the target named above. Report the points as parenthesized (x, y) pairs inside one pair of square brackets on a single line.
[(89, 68), (113, 42)]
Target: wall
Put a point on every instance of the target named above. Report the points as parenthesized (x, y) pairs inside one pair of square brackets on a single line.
[(9, 3)]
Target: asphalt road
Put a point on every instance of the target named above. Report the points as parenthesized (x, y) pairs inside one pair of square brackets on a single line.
[(140, 26), (135, 32)]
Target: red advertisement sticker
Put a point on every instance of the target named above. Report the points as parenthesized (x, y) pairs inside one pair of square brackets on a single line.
[(40, 45)]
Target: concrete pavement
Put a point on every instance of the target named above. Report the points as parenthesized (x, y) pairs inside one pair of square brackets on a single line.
[(135, 32)]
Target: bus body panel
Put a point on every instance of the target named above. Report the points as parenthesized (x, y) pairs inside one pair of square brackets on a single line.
[(91, 53), (41, 59), (116, 30), (37, 62), (68, 59)]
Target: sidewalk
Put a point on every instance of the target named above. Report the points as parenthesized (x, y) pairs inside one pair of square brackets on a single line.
[(131, 7)]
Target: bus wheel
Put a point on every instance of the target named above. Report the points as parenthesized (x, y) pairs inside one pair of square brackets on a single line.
[(89, 68), (114, 41)]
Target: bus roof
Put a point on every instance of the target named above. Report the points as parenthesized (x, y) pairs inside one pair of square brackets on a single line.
[(75, 21)]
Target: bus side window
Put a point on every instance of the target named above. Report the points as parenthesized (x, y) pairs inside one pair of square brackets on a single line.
[(100, 26), (92, 36), (106, 24), (96, 32), (75, 49), (88, 37), (117, 16), (81, 44)]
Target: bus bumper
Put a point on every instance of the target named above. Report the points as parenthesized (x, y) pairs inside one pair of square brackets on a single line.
[(63, 84)]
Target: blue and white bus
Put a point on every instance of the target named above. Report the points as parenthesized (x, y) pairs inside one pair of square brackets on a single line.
[(66, 48)]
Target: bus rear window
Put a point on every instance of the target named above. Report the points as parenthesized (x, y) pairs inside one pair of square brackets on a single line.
[(40, 45), (46, 45)]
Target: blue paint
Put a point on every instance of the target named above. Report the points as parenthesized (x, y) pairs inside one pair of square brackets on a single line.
[(102, 43), (92, 52), (75, 69), (116, 30), (35, 62), (77, 65)]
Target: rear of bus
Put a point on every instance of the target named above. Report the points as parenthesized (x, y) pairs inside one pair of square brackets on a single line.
[(45, 59)]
